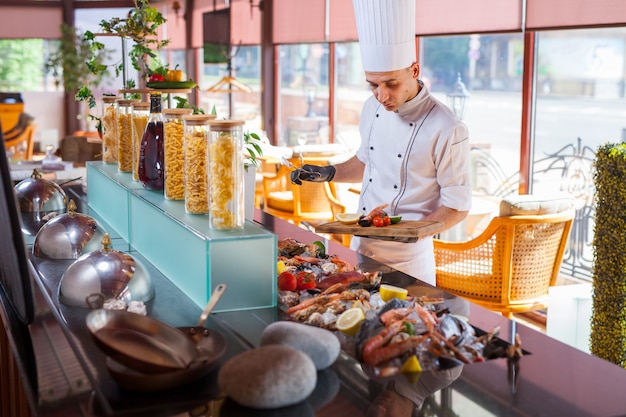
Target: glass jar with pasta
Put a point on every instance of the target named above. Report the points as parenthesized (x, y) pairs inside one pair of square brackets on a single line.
[(226, 182), (141, 112), (196, 168), (125, 135), (108, 120), (174, 160)]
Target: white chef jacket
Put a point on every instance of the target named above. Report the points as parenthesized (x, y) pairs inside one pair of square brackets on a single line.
[(416, 159)]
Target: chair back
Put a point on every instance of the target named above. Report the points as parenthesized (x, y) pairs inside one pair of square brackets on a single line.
[(510, 266), (297, 203), (310, 200), (22, 143)]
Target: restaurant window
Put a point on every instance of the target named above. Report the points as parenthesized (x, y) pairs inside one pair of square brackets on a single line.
[(351, 92), (21, 65), (581, 104), (303, 94), (240, 99), (490, 68)]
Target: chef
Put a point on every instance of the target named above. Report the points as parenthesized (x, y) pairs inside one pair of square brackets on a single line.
[(414, 152)]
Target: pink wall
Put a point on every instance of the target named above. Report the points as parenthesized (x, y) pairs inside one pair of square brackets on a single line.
[(31, 22)]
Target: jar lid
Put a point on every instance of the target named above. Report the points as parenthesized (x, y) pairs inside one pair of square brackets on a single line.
[(109, 99), (177, 112), (226, 123), (125, 102), (141, 105), (198, 118)]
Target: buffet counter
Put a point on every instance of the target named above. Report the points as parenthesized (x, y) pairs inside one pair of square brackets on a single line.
[(71, 377)]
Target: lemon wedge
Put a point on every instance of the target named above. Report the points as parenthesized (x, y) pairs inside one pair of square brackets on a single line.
[(347, 218), (350, 321), (387, 292), (280, 267), (411, 365), (358, 304)]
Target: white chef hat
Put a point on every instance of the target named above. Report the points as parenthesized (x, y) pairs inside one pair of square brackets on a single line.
[(386, 30)]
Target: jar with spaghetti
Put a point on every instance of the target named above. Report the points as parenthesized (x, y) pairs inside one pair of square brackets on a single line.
[(196, 167), (226, 182), (173, 134), (108, 127), (125, 135), (141, 112)]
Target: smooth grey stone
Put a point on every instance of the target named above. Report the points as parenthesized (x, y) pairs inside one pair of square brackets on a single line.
[(230, 408), (268, 377), (320, 344)]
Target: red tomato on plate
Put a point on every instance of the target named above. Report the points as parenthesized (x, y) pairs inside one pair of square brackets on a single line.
[(306, 280), (287, 281)]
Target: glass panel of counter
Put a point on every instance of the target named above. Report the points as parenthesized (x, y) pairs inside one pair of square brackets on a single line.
[(183, 246)]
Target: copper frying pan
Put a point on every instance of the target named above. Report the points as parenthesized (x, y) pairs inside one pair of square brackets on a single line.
[(146, 344)]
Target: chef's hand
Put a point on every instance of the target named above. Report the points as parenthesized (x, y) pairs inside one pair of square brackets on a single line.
[(312, 173)]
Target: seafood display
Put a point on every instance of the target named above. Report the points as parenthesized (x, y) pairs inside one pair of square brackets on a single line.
[(389, 337), (376, 213)]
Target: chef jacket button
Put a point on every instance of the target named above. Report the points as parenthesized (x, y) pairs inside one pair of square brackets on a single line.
[(395, 186), (370, 180), (363, 209), (371, 148), (399, 155), (376, 114), (411, 124)]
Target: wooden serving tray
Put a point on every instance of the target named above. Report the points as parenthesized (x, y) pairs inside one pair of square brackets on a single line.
[(405, 231)]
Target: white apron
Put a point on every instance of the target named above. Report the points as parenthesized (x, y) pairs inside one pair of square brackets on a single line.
[(416, 160), (415, 259)]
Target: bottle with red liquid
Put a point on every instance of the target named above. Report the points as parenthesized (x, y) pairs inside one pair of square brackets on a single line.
[(151, 167)]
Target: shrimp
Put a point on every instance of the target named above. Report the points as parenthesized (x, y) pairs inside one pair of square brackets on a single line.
[(375, 351), (385, 353), (427, 317), (321, 300)]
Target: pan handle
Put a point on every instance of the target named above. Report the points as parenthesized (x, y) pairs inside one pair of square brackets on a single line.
[(217, 294)]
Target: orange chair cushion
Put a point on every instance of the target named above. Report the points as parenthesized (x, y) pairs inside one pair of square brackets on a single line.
[(280, 200), (534, 205)]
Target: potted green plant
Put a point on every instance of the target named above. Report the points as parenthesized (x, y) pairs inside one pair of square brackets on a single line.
[(252, 149), (141, 28), (252, 153), (69, 61)]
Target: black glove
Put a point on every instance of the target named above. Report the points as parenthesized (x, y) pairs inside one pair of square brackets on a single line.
[(312, 173)]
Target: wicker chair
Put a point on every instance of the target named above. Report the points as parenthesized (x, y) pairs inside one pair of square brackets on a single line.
[(22, 133), (308, 202), (509, 267)]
